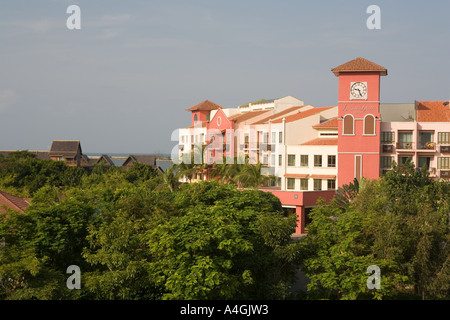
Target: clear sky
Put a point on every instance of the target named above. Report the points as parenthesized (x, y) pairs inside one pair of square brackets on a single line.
[(122, 83)]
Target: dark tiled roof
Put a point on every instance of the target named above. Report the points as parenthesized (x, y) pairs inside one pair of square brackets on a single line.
[(359, 64), (65, 147), (106, 159), (145, 159)]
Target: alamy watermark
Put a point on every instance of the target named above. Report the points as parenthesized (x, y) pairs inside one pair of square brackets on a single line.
[(374, 281), (74, 281), (374, 21)]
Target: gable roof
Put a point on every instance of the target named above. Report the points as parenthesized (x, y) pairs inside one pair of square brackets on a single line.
[(302, 115), (433, 111), (329, 124), (108, 161), (205, 106), (65, 147), (145, 159), (12, 202), (359, 64)]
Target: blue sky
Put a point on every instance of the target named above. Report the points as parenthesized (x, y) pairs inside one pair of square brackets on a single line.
[(122, 83)]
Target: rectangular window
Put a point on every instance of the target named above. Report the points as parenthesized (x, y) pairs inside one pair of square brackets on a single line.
[(280, 160), (304, 184), (317, 161), (444, 137), (387, 137), (272, 160), (386, 162), (424, 162), (332, 161), (405, 139), (274, 137), (266, 137), (402, 160), (331, 183), (291, 160), (317, 184), (280, 137), (303, 160), (444, 163), (290, 183), (426, 140)]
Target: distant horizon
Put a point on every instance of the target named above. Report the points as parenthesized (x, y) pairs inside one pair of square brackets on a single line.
[(124, 80)]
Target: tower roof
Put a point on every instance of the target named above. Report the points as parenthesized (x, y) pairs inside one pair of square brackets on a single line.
[(205, 106), (359, 64)]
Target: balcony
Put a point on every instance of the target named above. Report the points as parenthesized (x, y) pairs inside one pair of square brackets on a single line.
[(401, 146), (444, 174), (427, 146), (445, 149), (388, 148)]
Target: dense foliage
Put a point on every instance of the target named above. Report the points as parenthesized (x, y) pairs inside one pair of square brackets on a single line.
[(139, 234)]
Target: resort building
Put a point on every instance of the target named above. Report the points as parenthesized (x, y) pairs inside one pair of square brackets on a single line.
[(312, 151)]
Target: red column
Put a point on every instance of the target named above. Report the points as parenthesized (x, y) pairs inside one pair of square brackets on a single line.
[(300, 212)]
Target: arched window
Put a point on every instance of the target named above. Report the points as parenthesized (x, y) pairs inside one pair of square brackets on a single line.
[(195, 118), (369, 124), (349, 125)]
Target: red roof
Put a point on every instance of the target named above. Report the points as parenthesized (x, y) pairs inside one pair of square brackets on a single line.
[(330, 124), (301, 115), (322, 142), (205, 106), (12, 202), (246, 115), (433, 111), (359, 64), (279, 114)]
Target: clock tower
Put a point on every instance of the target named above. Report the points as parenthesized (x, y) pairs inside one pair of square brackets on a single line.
[(358, 120)]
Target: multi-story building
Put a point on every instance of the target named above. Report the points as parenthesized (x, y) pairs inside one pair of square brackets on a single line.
[(313, 150)]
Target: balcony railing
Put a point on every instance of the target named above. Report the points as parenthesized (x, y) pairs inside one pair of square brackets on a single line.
[(431, 146), (405, 145)]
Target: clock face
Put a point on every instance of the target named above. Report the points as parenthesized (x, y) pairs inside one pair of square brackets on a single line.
[(358, 90)]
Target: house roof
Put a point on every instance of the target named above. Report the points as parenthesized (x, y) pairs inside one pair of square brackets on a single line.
[(322, 176), (205, 106), (240, 117), (12, 202), (359, 64), (329, 124), (145, 159), (302, 115), (433, 111), (278, 114), (65, 147), (108, 161), (321, 142)]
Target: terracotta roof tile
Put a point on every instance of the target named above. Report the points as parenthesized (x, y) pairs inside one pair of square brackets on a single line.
[(433, 111), (321, 142), (12, 202), (278, 114), (301, 115), (359, 64), (322, 176), (330, 124), (205, 106), (240, 117)]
